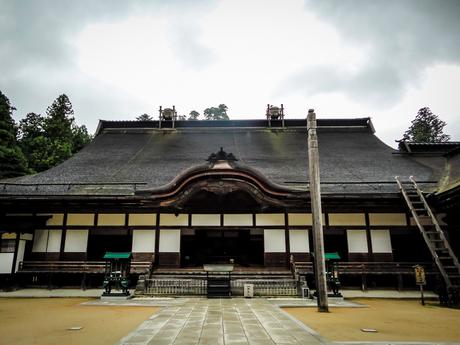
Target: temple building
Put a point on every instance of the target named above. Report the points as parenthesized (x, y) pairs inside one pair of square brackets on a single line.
[(180, 194)]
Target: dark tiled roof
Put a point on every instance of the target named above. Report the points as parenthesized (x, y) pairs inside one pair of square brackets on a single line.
[(352, 158), (454, 152), (255, 123), (428, 148)]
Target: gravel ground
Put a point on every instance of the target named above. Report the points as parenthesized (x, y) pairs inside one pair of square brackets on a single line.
[(394, 320), (41, 321)]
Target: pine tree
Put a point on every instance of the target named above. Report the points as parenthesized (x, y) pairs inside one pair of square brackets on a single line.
[(144, 117), (59, 120), (193, 115), (48, 141), (426, 128), (33, 141), (216, 113), (12, 160)]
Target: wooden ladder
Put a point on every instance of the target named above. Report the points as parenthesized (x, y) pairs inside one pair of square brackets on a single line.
[(434, 236)]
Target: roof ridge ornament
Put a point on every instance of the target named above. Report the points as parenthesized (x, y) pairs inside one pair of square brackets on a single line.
[(275, 114), (168, 115), (221, 155)]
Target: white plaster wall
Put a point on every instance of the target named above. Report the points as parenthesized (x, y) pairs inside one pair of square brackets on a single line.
[(27, 237), (300, 219), (80, 219), (54, 241), (149, 219), (170, 219), (169, 241), (56, 219), (357, 241), (205, 219), (111, 219), (144, 241), (381, 241), (21, 250), (76, 241), (347, 219), (269, 219), (6, 262), (298, 241), (47, 241), (274, 241), (387, 219), (40, 241), (238, 219)]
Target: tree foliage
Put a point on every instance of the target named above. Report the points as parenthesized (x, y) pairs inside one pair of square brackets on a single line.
[(59, 119), (144, 117), (50, 140), (12, 160), (33, 141), (426, 128), (216, 113), (193, 115)]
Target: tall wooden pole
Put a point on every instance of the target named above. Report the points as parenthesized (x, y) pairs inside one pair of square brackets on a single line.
[(315, 194)]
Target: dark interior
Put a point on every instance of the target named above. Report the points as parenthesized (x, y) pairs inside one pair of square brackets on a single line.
[(107, 241), (220, 246)]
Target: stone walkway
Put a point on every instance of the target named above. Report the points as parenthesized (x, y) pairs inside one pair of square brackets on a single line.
[(23, 293), (234, 321)]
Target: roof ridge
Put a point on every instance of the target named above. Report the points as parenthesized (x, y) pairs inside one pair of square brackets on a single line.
[(363, 122)]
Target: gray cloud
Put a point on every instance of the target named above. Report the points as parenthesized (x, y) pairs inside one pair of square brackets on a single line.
[(403, 39), (37, 55), (192, 53)]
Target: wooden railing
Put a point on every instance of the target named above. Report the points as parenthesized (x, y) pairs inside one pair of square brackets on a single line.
[(198, 286), (75, 266), (356, 268), (350, 268), (175, 287), (267, 287)]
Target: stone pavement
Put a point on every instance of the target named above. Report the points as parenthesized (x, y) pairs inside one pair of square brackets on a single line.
[(234, 321), (36, 292), (281, 302)]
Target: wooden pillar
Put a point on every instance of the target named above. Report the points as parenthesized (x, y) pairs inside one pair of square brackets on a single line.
[(63, 237), (287, 240), (315, 195), (370, 251), (156, 255), (15, 254), (83, 281)]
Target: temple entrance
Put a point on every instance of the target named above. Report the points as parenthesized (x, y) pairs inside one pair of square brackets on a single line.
[(242, 246), (101, 241)]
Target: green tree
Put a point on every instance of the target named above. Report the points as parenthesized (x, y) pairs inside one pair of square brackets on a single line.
[(144, 117), (426, 128), (59, 120), (32, 140), (216, 113), (12, 160), (193, 115), (81, 137), (50, 140)]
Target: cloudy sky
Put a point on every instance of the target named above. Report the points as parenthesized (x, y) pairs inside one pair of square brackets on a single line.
[(119, 59)]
